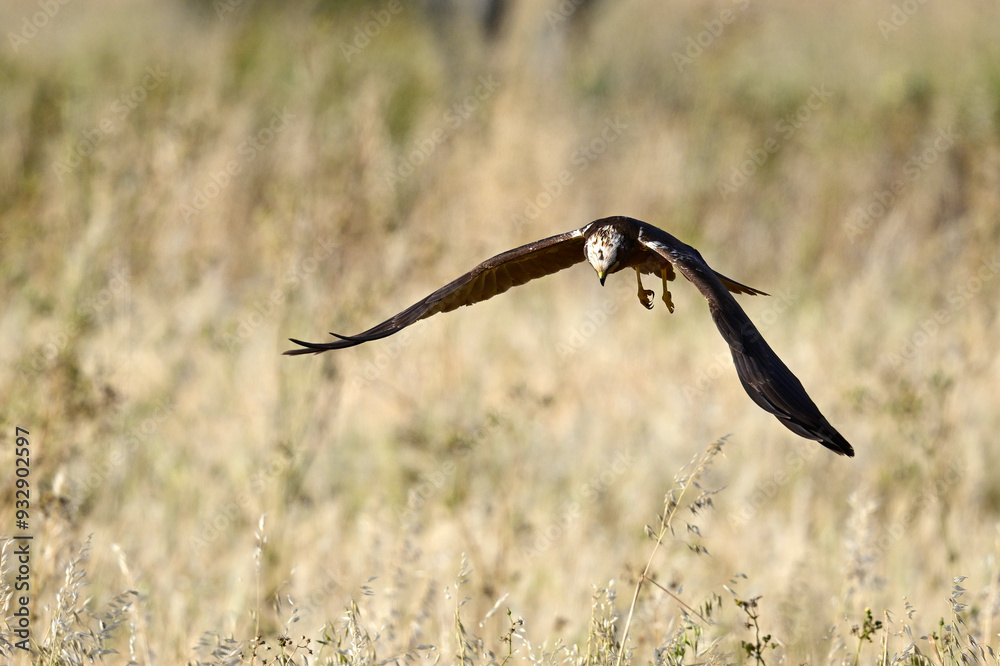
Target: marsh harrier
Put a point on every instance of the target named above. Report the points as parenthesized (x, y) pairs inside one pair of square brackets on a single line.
[(610, 245)]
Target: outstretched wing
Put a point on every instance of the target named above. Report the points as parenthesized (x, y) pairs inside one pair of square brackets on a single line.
[(494, 276), (766, 379)]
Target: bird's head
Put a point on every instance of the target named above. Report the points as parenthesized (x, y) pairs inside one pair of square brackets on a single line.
[(605, 250)]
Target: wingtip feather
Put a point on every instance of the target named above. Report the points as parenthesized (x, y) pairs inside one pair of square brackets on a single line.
[(834, 441)]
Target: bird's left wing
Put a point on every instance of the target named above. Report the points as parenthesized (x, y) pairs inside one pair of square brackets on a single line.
[(494, 276), (765, 377)]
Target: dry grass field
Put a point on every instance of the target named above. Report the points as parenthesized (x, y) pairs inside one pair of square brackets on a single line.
[(185, 185)]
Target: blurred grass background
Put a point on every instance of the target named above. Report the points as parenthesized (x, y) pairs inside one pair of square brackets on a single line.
[(184, 185)]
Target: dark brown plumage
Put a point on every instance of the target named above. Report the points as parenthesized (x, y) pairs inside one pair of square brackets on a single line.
[(611, 245)]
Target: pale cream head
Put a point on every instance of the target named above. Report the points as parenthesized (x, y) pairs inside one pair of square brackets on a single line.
[(602, 250)]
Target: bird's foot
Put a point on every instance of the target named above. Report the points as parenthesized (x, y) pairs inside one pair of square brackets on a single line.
[(645, 295), (646, 298), (667, 300)]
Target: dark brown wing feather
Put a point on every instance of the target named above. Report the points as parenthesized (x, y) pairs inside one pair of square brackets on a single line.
[(494, 276), (766, 379), (738, 287), (653, 263)]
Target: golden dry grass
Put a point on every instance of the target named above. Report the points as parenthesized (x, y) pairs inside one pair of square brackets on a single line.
[(185, 185)]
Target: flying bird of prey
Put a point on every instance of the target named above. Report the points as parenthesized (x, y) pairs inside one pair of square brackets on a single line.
[(610, 245)]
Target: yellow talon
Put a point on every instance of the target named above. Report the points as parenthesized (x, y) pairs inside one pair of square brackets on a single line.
[(645, 295), (666, 291)]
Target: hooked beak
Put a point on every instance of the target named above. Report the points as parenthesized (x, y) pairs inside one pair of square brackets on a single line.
[(602, 276)]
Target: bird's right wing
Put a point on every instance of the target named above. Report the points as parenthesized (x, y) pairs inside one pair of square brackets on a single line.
[(494, 276)]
